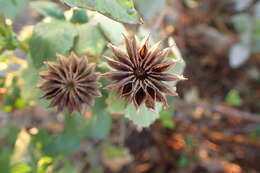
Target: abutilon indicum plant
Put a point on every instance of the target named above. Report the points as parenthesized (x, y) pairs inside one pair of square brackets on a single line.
[(79, 67), (82, 61)]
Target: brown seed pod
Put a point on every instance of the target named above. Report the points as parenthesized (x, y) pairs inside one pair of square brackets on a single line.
[(70, 83), (141, 74)]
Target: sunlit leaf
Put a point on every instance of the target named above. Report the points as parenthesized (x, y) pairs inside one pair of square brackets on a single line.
[(120, 10), (143, 117), (21, 168), (43, 164)]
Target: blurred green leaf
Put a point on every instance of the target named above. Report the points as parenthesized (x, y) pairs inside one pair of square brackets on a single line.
[(49, 39), (115, 105), (12, 8), (183, 161), (77, 125), (192, 95), (97, 126), (101, 126), (233, 98), (5, 156), (91, 41), (120, 10), (21, 168), (150, 8), (189, 142), (256, 132), (20, 103), (166, 119), (79, 16), (180, 65), (112, 152), (113, 30), (102, 119), (244, 25), (63, 145), (96, 169), (43, 164), (31, 79), (41, 141), (256, 37), (143, 117), (12, 134), (48, 9), (68, 167), (7, 36)]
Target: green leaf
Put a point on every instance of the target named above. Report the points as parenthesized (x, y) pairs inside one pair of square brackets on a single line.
[(113, 151), (166, 119), (189, 142), (21, 168), (43, 164), (115, 105), (49, 39), (183, 161), (120, 10), (192, 95), (77, 125), (256, 132), (180, 65), (48, 9), (79, 16), (5, 155), (149, 8), (98, 126), (31, 79), (8, 38), (102, 120), (244, 25), (256, 37), (91, 41), (20, 103), (64, 145), (12, 8), (29, 88), (113, 30), (233, 98), (101, 126), (143, 117)]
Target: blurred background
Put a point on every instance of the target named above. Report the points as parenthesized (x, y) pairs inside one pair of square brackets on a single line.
[(212, 127)]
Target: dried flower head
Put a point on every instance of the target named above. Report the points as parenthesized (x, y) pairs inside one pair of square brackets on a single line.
[(141, 74), (70, 83)]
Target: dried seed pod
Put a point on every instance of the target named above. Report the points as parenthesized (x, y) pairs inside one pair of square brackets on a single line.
[(141, 74), (70, 83)]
